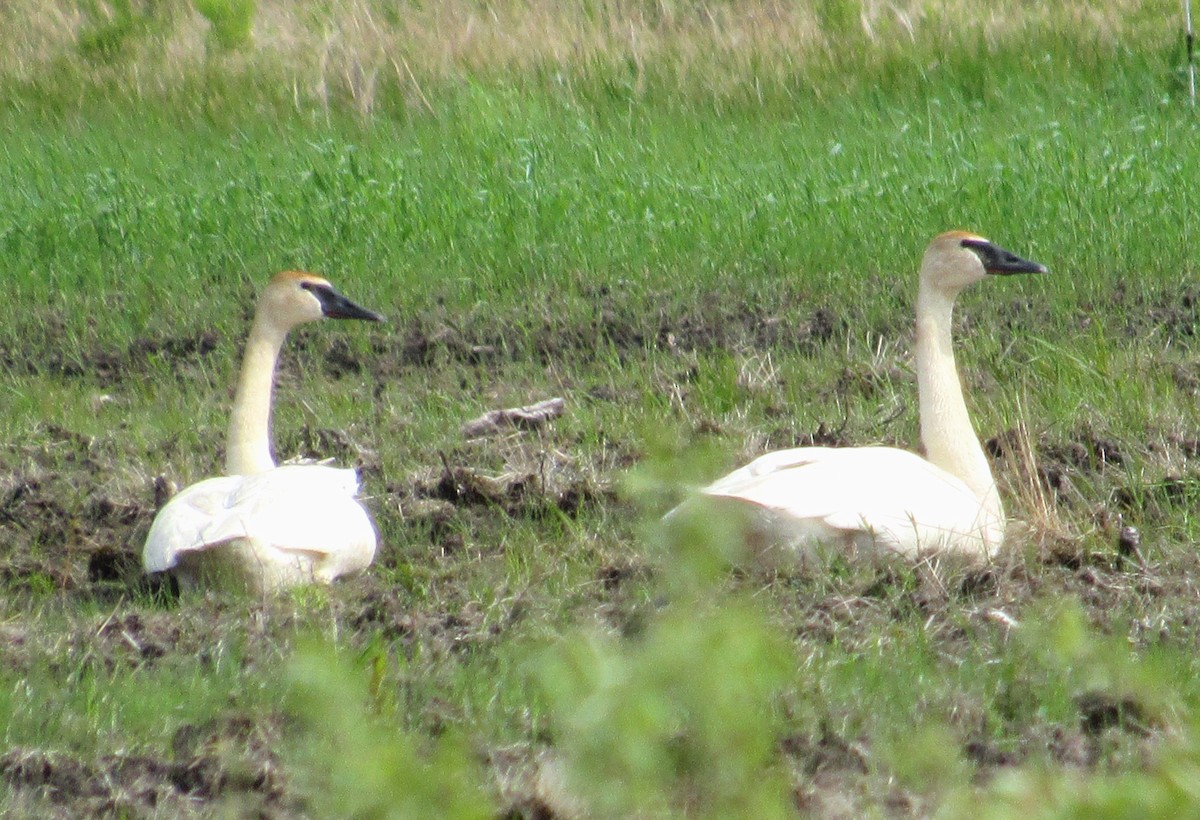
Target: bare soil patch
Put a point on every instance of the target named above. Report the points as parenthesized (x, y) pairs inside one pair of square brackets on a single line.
[(228, 759), (68, 536)]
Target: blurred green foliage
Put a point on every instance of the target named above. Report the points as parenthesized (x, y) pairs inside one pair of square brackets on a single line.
[(231, 21)]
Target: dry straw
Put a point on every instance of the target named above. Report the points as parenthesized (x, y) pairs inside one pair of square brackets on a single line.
[(345, 49)]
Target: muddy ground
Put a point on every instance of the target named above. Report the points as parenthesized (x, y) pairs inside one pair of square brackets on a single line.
[(70, 541)]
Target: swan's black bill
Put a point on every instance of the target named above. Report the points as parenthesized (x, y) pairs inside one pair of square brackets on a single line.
[(998, 261), (336, 306)]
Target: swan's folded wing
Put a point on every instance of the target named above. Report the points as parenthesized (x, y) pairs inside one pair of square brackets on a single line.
[(294, 508), (767, 465), (893, 495), (182, 524), (302, 508)]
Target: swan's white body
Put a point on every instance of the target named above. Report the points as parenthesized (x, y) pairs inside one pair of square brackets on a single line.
[(265, 527), (881, 499), (295, 524), (901, 503)]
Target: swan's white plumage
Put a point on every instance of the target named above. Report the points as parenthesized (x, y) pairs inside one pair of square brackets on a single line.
[(263, 526), (298, 523), (901, 502), (871, 499)]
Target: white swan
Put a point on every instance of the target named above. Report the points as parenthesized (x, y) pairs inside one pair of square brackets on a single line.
[(873, 499), (261, 526)]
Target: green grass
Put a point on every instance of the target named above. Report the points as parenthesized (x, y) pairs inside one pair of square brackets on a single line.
[(704, 270)]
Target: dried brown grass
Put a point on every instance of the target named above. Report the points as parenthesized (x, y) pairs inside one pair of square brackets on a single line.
[(345, 49)]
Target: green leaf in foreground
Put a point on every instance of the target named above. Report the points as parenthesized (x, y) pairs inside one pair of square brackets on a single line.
[(359, 767), (677, 719), (231, 20)]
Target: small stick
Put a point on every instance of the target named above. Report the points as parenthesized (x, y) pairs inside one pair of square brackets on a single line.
[(1191, 48), (521, 418)]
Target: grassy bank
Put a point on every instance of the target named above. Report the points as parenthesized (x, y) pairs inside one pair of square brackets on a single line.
[(698, 224), (398, 59)]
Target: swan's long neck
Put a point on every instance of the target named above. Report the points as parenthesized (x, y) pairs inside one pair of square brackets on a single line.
[(946, 431), (248, 449)]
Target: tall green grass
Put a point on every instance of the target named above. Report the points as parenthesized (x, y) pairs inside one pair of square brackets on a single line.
[(710, 250)]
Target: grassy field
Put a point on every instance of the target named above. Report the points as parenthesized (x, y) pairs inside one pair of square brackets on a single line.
[(699, 224)]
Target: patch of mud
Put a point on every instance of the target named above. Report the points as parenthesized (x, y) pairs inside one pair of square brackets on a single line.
[(531, 784), (1173, 313), (341, 359), (625, 596), (227, 761), (52, 545), (179, 354), (614, 576), (828, 752), (62, 531), (1071, 748), (935, 592), (521, 494), (830, 773), (1099, 711), (390, 613), (107, 366), (174, 348), (1064, 746), (526, 490), (621, 325), (1058, 461), (442, 510), (1158, 497), (1089, 472), (137, 637), (987, 754)]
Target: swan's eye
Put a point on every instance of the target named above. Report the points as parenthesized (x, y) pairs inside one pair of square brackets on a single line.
[(306, 285), (981, 248)]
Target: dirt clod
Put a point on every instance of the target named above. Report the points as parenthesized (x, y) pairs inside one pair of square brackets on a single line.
[(227, 758), (1099, 711)]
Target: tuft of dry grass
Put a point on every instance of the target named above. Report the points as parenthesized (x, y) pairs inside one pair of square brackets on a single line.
[(346, 51)]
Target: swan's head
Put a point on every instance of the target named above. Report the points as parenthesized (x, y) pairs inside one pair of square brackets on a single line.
[(294, 297), (955, 259)]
